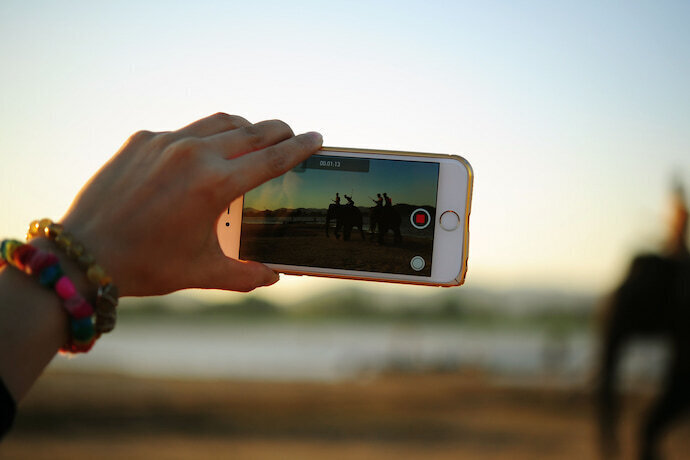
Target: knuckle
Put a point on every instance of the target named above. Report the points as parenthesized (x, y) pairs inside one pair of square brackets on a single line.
[(184, 148), (162, 140), (140, 136), (229, 121), (282, 126), (221, 116), (253, 136)]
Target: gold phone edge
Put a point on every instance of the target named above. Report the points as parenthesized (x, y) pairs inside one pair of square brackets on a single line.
[(460, 279)]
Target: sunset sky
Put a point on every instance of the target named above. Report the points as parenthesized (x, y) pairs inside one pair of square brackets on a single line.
[(574, 115), (406, 182)]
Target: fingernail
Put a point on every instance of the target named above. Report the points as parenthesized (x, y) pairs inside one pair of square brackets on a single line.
[(316, 137)]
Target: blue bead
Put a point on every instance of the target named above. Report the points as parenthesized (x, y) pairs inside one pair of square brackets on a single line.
[(49, 275)]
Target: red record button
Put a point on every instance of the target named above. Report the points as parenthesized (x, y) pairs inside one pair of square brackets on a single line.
[(420, 218)]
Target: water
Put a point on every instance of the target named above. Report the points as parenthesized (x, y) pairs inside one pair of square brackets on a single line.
[(340, 350)]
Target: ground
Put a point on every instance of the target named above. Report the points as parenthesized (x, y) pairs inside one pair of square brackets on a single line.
[(393, 417)]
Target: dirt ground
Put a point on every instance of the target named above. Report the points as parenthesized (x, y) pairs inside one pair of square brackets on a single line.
[(305, 244), (69, 416)]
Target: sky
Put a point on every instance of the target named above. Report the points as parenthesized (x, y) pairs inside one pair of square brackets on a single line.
[(574, 115), (406, 182)]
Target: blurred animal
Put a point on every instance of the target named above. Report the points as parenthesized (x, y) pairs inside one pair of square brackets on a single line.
[(652, 301), (346, 217), (385, 218)]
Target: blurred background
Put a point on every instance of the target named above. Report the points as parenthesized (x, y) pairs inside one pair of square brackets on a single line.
[(574, 116)]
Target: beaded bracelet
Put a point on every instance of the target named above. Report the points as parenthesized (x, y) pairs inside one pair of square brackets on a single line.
[(46, 268), (107, 293)]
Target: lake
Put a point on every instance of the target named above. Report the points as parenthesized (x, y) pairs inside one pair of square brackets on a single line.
[(329, 351)]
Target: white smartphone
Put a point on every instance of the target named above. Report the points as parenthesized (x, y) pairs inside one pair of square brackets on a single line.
[(359, 214)]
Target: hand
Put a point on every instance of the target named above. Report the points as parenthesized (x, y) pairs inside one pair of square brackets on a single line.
[(149, 215)]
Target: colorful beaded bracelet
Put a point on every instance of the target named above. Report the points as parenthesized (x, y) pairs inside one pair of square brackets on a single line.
[(46, 268), (107, 293)]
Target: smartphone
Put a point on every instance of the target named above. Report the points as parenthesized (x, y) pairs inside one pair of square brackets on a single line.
[(359, 214)]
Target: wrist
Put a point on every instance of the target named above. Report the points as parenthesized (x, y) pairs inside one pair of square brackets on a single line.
[(104, 251), (33, 326)]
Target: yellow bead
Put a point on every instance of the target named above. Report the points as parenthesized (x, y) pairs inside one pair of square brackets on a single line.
[(64, 240), (95, 273), (85, 260), (33, 228), (75, 250), (43, 223), (53, 230)]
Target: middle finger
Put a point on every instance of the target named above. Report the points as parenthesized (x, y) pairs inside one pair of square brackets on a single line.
[(250, 138)]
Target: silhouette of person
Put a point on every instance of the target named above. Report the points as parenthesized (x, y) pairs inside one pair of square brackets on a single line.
[(389, 202), (652, 301), (337, 199), (349, 201), (378, 200)]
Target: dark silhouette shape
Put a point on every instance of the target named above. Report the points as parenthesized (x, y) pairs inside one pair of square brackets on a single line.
[(378, 201), (652, 301), (337, 199), (346, 217), (379, 204), (349, 201), (385, 218), (389, 201)]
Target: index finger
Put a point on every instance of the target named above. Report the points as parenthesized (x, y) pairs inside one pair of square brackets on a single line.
[(249, 171)]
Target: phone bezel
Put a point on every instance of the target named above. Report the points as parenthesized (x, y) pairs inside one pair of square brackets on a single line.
[(449, 268)]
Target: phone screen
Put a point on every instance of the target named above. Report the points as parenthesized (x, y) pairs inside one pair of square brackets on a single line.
[(351, 213)]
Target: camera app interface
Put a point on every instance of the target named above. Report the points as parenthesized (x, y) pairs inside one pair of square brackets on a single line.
[(347, 213)]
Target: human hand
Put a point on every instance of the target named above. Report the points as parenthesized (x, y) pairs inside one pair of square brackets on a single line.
[(149, 215)]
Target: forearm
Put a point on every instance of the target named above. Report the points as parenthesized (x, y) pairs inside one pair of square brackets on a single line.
[(33, 324)]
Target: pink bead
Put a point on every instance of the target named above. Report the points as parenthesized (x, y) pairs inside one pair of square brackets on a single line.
[(77, 307), (65, 288)]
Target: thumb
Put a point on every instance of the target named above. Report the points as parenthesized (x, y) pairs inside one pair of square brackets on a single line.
[(237, 275)]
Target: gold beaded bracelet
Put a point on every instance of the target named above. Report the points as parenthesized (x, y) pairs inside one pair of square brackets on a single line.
[(107, 293)]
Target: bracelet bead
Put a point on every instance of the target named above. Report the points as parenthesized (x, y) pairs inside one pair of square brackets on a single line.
[(97, 275), (82, 329), (86, 260), (40, 260), (64, 240), (46, 268), (49, 275), (8, 247), (22, 255), (43, 223), (107, 295), (78, 307), (75, 250), (65, 288), (53, 230)]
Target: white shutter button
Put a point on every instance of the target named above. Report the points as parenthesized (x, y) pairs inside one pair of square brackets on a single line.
[(449, 221)]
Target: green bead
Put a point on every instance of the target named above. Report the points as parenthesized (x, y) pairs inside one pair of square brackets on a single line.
[(82, 329)]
